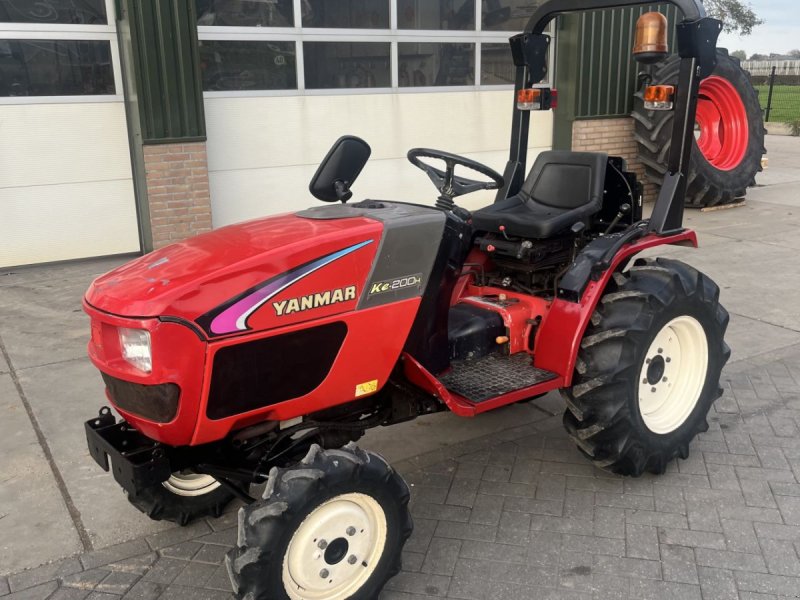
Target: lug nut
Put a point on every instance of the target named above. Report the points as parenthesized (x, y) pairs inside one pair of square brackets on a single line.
[(352, 560), (661, 351), (351, 531), (669, 359), (644, 380), (324, 573), (664, 380), (322, 545), (653, 390)]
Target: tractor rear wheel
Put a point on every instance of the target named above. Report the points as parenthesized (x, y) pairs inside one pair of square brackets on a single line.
[(330, 528), (648, 368), (729, 144), (184, 497)]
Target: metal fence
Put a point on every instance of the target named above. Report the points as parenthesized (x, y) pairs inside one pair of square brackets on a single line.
[(778, 85)]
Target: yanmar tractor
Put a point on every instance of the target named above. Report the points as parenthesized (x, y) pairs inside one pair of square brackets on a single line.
[(258, 353)]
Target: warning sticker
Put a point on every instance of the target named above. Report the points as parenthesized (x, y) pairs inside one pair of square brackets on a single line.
[(369, 387)]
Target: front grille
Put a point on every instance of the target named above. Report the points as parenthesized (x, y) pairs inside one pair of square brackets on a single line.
[(157, 403)]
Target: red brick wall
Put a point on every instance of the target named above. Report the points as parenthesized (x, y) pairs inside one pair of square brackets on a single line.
[(177, 190), (615, 137)]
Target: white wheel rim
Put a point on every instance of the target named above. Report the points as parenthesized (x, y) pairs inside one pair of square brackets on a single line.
[(187, 483), (673, 375), (336, 549)]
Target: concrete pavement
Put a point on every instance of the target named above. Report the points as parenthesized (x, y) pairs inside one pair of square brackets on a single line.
[(55, 502)]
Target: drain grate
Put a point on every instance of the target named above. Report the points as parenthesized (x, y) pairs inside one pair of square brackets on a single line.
[(493, 375)]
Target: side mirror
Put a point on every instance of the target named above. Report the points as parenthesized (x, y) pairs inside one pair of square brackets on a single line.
[(339, 169)]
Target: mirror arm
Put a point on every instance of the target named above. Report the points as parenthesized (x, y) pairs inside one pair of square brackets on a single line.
[(343, 190)]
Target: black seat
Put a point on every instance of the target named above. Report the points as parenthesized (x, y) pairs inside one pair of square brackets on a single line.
[(562, 189)]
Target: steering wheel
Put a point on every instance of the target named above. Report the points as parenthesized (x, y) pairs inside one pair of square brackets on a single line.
[(447, 182)]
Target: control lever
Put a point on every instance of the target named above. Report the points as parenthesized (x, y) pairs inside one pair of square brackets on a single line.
[(623, 210)]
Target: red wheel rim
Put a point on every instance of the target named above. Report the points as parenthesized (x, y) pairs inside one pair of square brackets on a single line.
[(722, 119)]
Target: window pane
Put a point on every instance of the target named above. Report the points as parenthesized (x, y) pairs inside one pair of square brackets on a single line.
[(434, 64), (330, 65), (436, 14), (346, 14), (245, 13), (55, 68), (79, 12), (507, 15), (497, 65), (235, 66)]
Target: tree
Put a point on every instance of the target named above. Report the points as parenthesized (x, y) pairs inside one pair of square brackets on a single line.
[(737, 15), (794, 53), (740, 54), (759, 57)]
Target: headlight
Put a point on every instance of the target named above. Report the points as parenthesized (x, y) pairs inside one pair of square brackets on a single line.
[(136, 350)]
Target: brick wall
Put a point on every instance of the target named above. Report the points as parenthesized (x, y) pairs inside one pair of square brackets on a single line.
[(177, 189), (615, 137)]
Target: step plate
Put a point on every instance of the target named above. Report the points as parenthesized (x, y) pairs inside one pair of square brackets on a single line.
[(493, 375)]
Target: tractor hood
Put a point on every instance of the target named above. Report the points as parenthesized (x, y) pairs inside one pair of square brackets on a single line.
[(190, 278)]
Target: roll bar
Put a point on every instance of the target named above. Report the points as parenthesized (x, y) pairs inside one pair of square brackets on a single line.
[(693, 10), (697, 42)]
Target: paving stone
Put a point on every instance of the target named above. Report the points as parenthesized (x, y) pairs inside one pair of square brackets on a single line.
[(641, 541), (692, 539), (466, 531), (514, 528), (184, 550), (145, 590), (211, 553), (4, 589), (486, 510), (174, 536), (441, 557), (790, 509), (136, 564), (445, 512), (50, 572), (767, 584), (37, 592), (420, 583), (609, 522), (117, 583), (740, 536), (195, 575), (67, 593), (165, 571), (736, 561), (86, 580), (627, 567), (717, 584), (678, 565), (175, 592), (644, 589), (462, 492), (781, 557), (115, 553)]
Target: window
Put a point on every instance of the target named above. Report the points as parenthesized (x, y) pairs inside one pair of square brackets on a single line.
[(55, 68), (230, 65), (436, 14), (431, 64), (346, 14), (245, 13), (331, 46), (331, 65), (72, 12), (506, 15), (497, 65)]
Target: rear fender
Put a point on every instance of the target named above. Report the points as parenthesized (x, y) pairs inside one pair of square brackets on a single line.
[(557, 344)]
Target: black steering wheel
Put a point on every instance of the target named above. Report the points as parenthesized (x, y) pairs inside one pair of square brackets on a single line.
[(447, 182)]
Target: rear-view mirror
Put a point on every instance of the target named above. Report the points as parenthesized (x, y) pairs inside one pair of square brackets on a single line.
[(339, 169)]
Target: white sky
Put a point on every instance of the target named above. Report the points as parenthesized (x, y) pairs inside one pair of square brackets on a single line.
[(780, 32)]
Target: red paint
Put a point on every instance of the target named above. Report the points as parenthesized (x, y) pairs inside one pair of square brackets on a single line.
[(562, 329), (192, 277), (723, 122)]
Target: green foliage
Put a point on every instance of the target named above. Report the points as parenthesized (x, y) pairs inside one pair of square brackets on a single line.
[(794, 127), (737, 15)]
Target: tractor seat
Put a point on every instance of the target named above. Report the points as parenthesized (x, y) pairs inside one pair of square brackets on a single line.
[(562, 189)]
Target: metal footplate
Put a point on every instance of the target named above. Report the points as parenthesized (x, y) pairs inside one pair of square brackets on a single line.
[(493, 375), (136, 461)]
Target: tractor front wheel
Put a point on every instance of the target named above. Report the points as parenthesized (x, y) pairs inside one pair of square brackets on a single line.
[(330, 528), (648, 368), (182, 498)]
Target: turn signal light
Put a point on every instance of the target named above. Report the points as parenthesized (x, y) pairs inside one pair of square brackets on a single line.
[(659, 97), (537, 99)]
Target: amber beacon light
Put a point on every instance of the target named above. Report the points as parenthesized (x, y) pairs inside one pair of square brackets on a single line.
[(651, 38)]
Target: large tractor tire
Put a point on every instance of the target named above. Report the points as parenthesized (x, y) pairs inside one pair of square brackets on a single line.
[(184, 497), (330, 528), (648, 368), (727, 153)]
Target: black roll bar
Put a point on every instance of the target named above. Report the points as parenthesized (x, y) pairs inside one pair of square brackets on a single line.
[(693, 10), (697, 42)]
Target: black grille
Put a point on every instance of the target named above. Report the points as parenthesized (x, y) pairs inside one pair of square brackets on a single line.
[(158, 403), (276, 369)]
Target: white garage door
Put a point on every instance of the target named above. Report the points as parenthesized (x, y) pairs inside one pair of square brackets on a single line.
[(66, 188)]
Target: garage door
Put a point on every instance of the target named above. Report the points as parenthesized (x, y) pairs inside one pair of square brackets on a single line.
[(66, 189)]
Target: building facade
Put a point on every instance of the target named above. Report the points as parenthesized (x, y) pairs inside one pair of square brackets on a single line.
[(129, 124)]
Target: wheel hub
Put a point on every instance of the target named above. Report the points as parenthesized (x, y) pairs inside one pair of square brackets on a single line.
[(723, 124), (190, 484), (335, 549), (673, 375)]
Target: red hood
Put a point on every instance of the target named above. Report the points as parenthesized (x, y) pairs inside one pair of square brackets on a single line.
[(191, 277)]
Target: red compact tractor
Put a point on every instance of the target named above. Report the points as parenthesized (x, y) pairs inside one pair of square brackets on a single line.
[(258, 353)]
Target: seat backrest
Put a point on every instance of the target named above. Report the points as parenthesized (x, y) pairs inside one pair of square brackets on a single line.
[(567, 180)]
